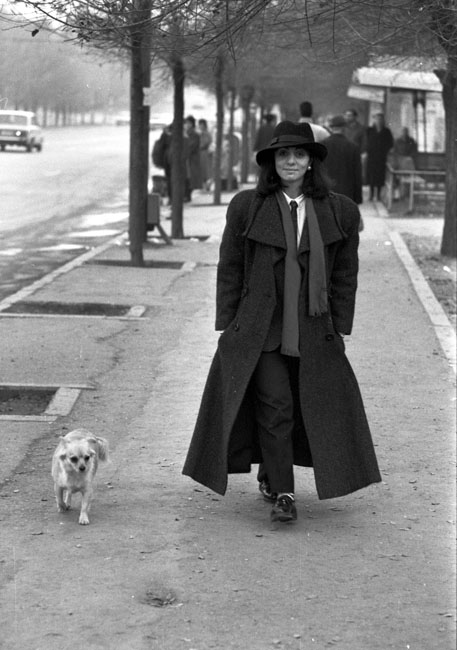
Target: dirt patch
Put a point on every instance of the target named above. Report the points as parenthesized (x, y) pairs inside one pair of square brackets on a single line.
[(148, 264), (439, 271), (16, 401), (68, 309), (424, 207)]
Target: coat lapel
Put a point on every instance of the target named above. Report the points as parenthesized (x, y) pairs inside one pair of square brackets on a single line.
[(266, 226), (328, 226)]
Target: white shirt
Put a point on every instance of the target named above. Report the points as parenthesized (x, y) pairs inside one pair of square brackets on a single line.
[(301, 216), (301, 213)]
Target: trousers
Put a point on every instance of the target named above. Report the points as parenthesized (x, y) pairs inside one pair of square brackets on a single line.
[(276, 407)]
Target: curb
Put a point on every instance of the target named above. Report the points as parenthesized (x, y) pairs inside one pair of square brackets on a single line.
[(61, 270), (444, 330)]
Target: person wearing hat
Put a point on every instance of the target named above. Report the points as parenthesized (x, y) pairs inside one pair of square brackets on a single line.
[(343, 164), (280, 390)]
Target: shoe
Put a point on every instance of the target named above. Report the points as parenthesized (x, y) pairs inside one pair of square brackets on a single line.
[(284, 509), (266, 492)]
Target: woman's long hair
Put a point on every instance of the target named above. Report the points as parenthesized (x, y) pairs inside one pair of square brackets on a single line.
[(315, 182)]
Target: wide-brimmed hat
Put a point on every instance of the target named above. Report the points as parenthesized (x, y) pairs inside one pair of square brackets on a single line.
[(289, 134)]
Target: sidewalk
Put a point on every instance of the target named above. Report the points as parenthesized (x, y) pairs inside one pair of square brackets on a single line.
[(168, 565)]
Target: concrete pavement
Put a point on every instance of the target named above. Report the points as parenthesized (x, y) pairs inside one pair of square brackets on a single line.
[(167, 565)]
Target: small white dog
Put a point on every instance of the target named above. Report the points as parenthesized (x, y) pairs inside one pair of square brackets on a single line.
[(74, 465)]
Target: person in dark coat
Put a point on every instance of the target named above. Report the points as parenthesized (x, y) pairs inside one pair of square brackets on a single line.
[(379, 142), (265, 132), (343, 163), (280, 391), (161, 157), (405, 150), (193, 170), (354, 131)]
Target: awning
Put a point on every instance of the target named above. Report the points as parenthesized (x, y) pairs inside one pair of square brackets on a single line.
[(367, 93), (391, 78)]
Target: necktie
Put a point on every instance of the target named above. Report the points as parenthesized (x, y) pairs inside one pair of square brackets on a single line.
[(293, 211)]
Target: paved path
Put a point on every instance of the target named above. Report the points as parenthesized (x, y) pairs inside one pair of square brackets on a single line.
[(372, 570)]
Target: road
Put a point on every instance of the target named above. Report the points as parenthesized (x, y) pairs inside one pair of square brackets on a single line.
[(58, 203), (78, 168)]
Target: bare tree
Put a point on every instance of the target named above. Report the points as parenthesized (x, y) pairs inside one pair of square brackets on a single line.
[(142, 29), (336, 29), (297, 36)]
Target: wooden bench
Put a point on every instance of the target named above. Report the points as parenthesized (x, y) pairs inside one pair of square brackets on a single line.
[(428, 179)]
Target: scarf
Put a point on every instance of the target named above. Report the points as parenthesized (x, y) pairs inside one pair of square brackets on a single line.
[(317, 287)]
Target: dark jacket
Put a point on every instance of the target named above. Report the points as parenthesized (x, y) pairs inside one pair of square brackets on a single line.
[(355, 133), (251, 259), (193, 160), (378, 145), (344, 167)]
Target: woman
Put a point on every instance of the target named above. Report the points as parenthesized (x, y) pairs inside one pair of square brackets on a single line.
[(280, 391)]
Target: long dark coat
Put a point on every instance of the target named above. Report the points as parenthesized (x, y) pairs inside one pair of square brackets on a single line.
[(193, 160), (378, 145), (251, 268), (344, 167)]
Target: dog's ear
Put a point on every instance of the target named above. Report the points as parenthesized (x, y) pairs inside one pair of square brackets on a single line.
[(93, 444)]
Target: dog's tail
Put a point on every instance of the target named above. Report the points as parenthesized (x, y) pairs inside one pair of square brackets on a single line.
[(102, 448)]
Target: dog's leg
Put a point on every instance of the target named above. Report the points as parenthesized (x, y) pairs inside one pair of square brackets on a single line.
[(67, 499), (60, 498), (86, 501)]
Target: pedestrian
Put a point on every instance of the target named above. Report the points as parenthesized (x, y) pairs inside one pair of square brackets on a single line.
[(405, 150), (265, 132), (205, 153), (280, 391), (404, 159), (161, 158), (193, 175), (379, 142), (355, 132), (306, 116), (343, 163), (230, 155)]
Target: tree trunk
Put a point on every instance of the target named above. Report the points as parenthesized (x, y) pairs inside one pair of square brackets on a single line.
[(231, 162), (139, 135), (178, 162), (246, 95), (219, 89), (449, 80)]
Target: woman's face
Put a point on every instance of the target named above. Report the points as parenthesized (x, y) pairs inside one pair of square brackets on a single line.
[(291, 164)]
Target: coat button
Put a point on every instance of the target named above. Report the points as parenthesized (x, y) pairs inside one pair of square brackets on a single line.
[(329, 337)]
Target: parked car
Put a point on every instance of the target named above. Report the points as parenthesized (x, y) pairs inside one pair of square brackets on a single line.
[(20, 128)]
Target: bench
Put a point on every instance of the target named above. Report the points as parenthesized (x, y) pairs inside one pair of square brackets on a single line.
[(428, 179)]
